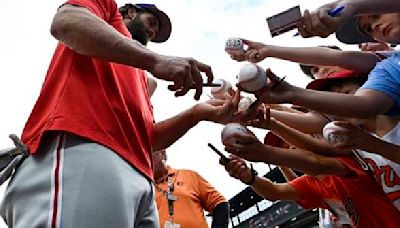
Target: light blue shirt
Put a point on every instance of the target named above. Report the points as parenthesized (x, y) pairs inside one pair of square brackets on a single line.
[(385, 78)]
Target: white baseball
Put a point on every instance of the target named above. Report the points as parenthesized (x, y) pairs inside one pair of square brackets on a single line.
[(233, 45), (330, 136), (245, 103), (229, 130), (219, 92), (252, 77)]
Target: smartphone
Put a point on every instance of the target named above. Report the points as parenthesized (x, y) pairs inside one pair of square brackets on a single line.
[(224, 158), (284, 21)]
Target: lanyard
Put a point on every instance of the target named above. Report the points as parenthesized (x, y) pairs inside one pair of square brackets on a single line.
[(171, 198)]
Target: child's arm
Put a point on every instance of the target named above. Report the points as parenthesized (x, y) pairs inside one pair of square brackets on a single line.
[(288, 173), (309, 123), (237, 169), (293, 136), (250, 148), (356, 138), (366, 103), (361, 62)]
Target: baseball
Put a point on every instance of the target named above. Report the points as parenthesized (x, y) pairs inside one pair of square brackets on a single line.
[(330, 136), (229, 130), (252, 77), (234, 45), (245, 103), (220, 92)]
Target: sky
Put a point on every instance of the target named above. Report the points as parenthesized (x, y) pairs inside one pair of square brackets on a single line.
[(200, 29)]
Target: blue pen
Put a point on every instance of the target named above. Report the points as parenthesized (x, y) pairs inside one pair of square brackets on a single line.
[(332, 13)]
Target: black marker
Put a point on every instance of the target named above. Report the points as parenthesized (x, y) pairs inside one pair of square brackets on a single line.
[(224, 158)]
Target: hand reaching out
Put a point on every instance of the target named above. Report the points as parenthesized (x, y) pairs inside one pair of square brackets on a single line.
[(355, 137), (237, 168)]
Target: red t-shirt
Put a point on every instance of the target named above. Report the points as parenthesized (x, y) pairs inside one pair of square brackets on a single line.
[(360, 195), (102, 101)]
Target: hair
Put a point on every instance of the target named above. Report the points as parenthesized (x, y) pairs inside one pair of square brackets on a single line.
[(123, 10), (358, 80), (307, 68)]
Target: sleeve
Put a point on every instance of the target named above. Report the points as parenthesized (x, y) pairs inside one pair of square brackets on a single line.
[(385, 78), (209, 196), (105, 9), (310, 190)]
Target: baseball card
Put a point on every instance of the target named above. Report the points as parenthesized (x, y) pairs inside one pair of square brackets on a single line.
[(284, 21)]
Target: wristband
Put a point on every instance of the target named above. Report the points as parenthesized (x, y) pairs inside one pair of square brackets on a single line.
[(253, 176)]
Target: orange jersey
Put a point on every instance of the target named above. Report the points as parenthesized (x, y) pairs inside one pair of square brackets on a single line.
[(356, 197), (194, 195)]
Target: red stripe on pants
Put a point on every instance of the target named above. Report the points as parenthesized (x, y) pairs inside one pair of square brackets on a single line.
[(56, 182)]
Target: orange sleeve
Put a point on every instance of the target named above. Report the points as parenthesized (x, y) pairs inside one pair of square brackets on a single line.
[(105, 9), (310, 190), (209, 196)]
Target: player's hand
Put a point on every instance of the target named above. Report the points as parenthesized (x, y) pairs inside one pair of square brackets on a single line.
[(237, 168), (247, 146), (356, 137), (320, 23), (185, 73), (219, 111)]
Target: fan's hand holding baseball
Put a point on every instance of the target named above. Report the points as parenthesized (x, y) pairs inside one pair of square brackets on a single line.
[(275, 91), (237, 168), (247, 146), (350, 135)]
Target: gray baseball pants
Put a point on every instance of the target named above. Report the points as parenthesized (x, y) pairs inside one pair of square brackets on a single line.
[(75, 183)]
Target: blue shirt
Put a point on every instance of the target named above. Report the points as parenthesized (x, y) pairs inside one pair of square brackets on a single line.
[(385, 78)]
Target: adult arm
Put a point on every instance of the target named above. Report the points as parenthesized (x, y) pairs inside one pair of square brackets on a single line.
[(168, 131), (88, 33)]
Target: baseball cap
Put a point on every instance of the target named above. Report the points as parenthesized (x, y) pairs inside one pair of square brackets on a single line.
[(165, 26), (324, 83), (350, 33)]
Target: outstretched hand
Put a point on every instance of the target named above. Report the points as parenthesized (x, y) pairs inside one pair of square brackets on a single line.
[(355, 137), (219, 111), (237, 168), (246, 146)]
